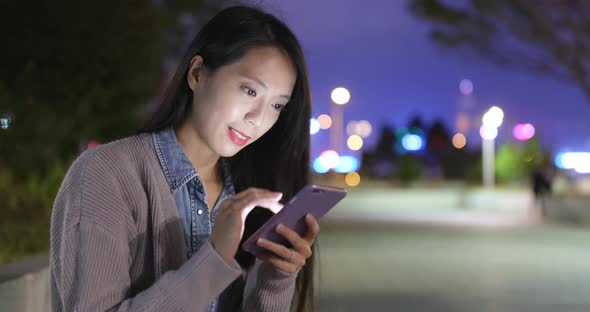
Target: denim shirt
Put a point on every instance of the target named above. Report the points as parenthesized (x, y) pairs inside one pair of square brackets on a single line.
[(189, 192)]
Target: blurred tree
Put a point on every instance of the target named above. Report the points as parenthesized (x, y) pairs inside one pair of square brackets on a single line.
[(437, 136), (386, 143), (76, 70), (548, 37), (416, 125), (73, 71), (516, 161), (379, 161), (410, 168), (509, 164)]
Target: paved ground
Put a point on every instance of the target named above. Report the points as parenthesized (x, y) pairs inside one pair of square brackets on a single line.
[(401, 267), (433, 250)]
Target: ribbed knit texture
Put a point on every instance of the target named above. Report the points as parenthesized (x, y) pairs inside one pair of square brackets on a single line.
[(117, 244)]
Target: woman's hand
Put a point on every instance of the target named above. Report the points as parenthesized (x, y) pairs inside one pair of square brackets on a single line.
[(229, 224), (290, 260)]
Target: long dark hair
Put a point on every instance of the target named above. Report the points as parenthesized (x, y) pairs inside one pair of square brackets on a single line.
[(279, 160)]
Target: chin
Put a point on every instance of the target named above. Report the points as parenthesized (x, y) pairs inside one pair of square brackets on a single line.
[(228, 154), (226, 151)]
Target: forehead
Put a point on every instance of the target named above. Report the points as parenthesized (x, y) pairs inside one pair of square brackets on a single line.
[(269, 64)]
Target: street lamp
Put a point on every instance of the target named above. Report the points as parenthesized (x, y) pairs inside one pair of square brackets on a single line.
[(340, 96), (491, 120)]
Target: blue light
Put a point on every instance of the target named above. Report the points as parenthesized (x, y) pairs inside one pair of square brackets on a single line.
[(319, 167), (314, 126), (412, 142), (559, 161), (347, 164)]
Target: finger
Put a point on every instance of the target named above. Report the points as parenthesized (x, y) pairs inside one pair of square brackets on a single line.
[(313, 228), (299, 244), (253, 190), (254, 196), (241, 199), (246, 205), (283, 252), (280, 263)]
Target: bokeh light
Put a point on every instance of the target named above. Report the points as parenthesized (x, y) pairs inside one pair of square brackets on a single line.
[(325, 121), (352, 128), (488, 132), (347, 164), (314, 126), (92, 144), (364, 128), (352, 179), (466, 87), (329, 159), (523, 132), (459, 140), (493, 117), (412, 142), (462, 122), (578, 161), (318, 166), (354, 142), (340, 96), (4, 123)]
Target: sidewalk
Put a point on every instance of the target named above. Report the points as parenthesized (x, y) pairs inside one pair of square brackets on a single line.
[(452, 206)]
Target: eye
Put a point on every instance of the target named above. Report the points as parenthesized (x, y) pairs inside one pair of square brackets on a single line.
[(279, 107), (249, 91)]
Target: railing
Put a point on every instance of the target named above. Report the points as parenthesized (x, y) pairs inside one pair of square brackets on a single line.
[(24, 286)]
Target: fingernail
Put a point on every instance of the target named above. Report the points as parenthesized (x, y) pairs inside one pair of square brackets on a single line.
[(280, 227), (261, 240)]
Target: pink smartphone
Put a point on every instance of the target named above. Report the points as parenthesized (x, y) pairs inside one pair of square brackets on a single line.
[(314, 199)]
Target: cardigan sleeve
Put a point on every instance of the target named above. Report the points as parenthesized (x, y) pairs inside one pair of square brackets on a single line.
[(268, 288), (89, 253)]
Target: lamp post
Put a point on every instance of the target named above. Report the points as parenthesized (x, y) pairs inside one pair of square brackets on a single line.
[(340, 96), (491, 120)]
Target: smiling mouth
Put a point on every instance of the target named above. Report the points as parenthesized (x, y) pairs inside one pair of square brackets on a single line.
[(238, 137)]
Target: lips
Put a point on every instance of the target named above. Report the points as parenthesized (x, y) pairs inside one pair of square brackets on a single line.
[(239, 138)]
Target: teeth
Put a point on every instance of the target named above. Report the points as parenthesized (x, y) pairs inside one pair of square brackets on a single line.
[(238, 134)]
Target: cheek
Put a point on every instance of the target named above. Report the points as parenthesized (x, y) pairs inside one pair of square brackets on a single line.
[(272, 120)]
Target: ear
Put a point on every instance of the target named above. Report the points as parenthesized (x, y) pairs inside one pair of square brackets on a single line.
[(195, 72)]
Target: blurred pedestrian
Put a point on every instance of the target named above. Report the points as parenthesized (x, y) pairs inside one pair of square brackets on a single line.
[(541, 185)]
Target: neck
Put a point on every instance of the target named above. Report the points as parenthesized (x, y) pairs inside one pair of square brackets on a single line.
[(203, 159)]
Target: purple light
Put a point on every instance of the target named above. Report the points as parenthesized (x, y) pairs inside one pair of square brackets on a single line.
[(523, 132), (466, 87)]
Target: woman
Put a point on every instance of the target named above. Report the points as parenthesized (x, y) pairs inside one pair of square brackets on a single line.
[(154, 222)]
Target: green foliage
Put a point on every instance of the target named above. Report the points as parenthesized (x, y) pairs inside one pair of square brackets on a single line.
[(410, 169), (22, 240), (73, 71), (515, 161), (474, 174)]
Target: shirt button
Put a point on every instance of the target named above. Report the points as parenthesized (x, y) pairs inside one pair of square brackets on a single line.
[(200, 212)]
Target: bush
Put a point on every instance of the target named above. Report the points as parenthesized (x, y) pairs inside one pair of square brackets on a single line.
[(410, 169)]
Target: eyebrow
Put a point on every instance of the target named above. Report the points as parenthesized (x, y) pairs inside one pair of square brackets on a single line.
[(261, 83)]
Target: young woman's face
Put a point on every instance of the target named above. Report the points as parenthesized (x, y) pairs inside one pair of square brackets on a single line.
[(241, 101)]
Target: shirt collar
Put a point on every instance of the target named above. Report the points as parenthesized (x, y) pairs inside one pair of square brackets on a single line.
[(177, 167)]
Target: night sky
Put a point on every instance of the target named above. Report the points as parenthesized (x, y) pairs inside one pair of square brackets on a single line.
[(384, 56)]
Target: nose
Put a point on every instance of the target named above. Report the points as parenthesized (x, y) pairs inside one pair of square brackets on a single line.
[(254, 116)]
